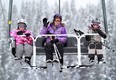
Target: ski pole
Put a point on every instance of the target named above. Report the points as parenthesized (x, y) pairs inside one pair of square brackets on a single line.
[(57, 52), (108, 47)]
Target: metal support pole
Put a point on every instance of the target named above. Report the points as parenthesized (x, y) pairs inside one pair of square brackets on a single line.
[(59, 6), (34, 55), (104, 16), (10, 16)]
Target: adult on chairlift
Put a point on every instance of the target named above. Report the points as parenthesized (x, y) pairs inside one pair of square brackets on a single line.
[(56, 27), (23, 41), (95, 45)]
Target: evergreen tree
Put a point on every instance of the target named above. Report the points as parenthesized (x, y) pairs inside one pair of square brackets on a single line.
[(66, 16), (15, 17), (111, 15)]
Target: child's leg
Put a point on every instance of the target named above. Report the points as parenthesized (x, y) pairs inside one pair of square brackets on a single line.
[(19, 50), (28, 50), (91, 51), (99, 51)]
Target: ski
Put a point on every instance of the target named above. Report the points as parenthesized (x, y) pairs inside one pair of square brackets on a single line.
[(58, 70), (49, 70), (24, 65)]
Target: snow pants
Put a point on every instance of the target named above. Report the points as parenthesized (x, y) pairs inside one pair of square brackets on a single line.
[(49, 49), (95, 48), (24, 49)]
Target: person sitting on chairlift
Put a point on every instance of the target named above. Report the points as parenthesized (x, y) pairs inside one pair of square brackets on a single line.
[(23, 41), (56, 27), (95, 43)]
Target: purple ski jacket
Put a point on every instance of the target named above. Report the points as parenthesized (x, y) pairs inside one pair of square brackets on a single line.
[(50, 29)]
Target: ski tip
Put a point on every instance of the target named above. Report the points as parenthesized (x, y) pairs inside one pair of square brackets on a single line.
[(102, 62), (60, 71)]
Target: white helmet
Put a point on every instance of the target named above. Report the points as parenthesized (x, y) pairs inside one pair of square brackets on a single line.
[(96, 21), (22, 21)]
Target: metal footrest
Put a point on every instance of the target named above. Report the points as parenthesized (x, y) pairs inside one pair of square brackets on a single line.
[(80, 66), (42, 67)]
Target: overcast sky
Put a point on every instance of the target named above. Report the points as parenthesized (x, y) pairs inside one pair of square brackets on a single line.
[(79, 3)]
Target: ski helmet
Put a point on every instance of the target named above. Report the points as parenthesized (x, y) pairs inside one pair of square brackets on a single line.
[(22, 21), (96, 21), (57, 16)]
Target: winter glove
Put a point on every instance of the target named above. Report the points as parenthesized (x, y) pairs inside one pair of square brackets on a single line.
[(45, 22), (102, 34), (53, 37), (27, 34), (88, 37), (20, 33), (54, 41)]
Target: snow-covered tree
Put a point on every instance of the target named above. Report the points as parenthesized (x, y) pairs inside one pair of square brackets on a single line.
[(15, 17), (81, 18), (66, 16), (111, 15)]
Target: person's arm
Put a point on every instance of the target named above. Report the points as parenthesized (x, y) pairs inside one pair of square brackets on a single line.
[(43, 30), (88, 37), (101, 33), (14, 33), (63, 39), (28, 33), (45, 26)]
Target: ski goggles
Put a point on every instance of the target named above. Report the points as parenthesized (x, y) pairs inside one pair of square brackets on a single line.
[(22, 25)]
